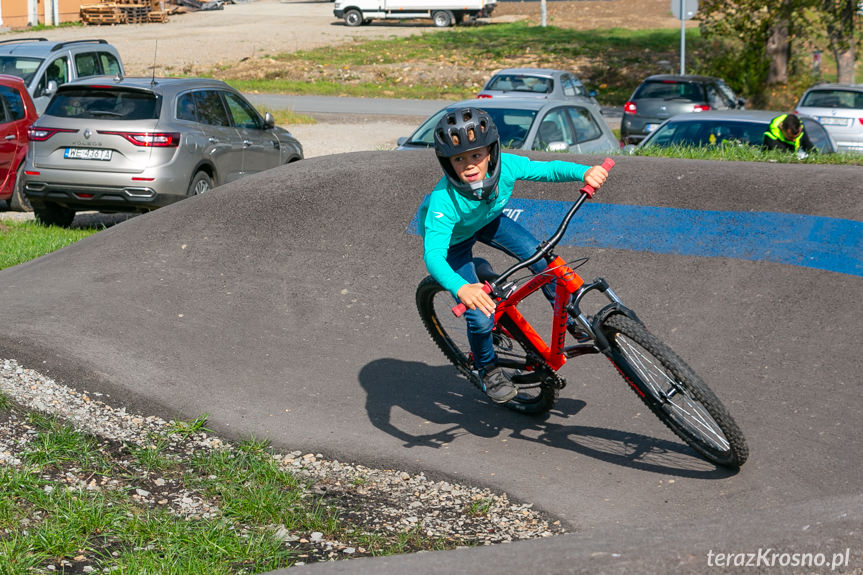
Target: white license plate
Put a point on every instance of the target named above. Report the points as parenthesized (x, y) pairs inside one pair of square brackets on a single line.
[(87, 154), (650, 127), (834, 121)]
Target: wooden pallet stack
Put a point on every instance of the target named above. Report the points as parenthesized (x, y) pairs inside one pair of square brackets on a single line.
[(124, 12), (102, 14)]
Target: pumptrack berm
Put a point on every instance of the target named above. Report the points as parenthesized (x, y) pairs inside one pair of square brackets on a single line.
[(283, 306)]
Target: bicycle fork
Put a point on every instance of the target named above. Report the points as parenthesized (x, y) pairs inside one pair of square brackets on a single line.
[(592, 326)]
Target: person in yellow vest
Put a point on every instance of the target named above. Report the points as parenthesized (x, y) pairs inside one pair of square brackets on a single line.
[(786, 133)]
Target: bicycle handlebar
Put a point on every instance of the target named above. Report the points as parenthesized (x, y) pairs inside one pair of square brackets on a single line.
[(587, 192), (608, 163)]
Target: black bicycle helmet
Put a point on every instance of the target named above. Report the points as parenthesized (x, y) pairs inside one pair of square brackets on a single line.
[(461, 131)]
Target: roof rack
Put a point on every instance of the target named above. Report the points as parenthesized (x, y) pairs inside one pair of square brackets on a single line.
[(16, 40), (61, 45)]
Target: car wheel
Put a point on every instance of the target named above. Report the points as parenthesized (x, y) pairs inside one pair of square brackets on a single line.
[(19, 202), (443, 18), (354, 17), (54, 215), (202, 182)]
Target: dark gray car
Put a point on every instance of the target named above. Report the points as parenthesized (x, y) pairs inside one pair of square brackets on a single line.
[(661, 96), (137, 144)]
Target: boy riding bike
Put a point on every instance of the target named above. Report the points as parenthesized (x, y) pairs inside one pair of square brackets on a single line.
[(466, 206)]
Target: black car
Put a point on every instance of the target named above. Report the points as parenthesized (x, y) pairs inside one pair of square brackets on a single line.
[(664, 95)]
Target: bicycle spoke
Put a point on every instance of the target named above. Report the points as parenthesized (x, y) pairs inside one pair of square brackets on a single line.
[(703, 422), (676, 401)]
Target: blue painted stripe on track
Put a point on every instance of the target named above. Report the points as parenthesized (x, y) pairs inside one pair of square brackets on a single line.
[(830, 244)]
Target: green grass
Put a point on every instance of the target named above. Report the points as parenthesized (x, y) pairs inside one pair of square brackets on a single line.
[(748, 154), (614, 68), (26, 240), (284, 116), (611, 61), (44, 27), (74, 502)]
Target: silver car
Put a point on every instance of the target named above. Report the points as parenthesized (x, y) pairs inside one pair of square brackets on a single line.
[(839, 108), (575, 127), (137, 144), (44, 65), (535, 82)]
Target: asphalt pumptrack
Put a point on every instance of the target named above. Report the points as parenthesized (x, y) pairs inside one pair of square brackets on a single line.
[(283, 306)]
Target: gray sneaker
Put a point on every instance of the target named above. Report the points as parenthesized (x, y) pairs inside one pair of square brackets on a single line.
[(497, 387)]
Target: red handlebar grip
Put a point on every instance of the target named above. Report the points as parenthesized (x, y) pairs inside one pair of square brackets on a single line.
[(459, 309), (588, 189)]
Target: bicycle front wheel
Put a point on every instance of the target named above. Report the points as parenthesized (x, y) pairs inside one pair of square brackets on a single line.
[(537, 384), (674, 392)]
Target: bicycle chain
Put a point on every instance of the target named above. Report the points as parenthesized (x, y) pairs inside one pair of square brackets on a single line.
[(557, 380)]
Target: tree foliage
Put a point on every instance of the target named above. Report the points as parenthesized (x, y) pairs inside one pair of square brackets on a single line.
[(756, 44)]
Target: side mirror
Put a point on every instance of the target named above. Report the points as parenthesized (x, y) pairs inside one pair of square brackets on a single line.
[(50, 89), (401, 141), (558, 147), (269, 121)]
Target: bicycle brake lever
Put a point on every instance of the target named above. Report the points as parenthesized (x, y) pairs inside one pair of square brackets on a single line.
[(590, 190), (459, 309)]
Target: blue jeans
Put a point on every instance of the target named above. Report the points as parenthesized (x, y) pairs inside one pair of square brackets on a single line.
[(511, 238)]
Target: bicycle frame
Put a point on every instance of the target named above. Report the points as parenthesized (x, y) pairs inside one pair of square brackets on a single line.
[(570, 289)]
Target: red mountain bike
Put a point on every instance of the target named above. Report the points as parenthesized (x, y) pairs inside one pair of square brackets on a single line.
[(657, 375)]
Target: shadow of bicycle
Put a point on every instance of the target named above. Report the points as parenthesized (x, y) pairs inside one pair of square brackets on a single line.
[(452, 407)]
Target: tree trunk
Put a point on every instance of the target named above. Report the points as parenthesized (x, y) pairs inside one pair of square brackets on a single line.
[(845, 65), (778, 49), (840, 31)]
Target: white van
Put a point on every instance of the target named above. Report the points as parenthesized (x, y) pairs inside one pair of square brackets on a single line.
[(442, 12)]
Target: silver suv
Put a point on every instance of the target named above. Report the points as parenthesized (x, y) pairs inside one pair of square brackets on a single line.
[(137, 144), (44, 65)]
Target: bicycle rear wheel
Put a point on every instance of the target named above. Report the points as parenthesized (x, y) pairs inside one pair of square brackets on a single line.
[(537, 384), (674, 392)]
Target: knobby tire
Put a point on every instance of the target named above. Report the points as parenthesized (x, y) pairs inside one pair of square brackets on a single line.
[(674, 392), (538, 385)]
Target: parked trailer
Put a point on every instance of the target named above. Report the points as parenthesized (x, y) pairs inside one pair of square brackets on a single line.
[(442, 12)]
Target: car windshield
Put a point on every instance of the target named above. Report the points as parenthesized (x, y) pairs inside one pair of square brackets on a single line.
[(670, 90), (104, 103), (848, 99), (512, 126), (24, 68), (521, 83)]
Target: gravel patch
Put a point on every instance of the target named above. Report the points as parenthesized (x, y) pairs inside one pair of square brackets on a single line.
[(383, 500)]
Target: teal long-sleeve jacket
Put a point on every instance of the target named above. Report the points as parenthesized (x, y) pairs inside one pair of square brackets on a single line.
[(447, 218)]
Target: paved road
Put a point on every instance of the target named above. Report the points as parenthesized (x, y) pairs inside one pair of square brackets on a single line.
[(282, 305), (335, 105)]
